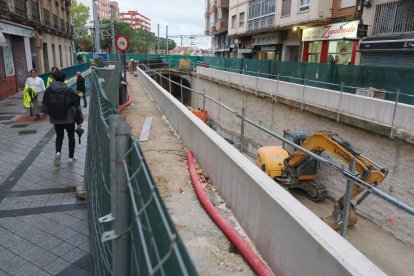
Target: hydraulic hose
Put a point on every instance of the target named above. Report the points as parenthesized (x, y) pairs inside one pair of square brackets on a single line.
[(244, 248)]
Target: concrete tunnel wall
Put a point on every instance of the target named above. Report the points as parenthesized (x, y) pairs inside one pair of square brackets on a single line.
[(285, 232), (377, 110), (395, 155)]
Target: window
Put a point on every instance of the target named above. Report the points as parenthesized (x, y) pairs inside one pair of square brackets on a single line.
[(286, 4), (347, 3), (304, 5), (233, 22), (241, 19), (340, 52), (394, 17), (315, 49)]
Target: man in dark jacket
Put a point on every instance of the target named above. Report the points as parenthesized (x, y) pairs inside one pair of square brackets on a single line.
[(80, 87), (60, 97)]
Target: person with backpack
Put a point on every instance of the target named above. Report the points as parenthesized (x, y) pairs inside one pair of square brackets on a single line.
[(62, 105), (38, 85)]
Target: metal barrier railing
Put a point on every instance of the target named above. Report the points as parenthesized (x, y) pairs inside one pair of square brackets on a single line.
[(131, 231), (348, 174)]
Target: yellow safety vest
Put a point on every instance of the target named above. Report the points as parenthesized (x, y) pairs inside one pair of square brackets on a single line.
[(28, 96), (50, 79)]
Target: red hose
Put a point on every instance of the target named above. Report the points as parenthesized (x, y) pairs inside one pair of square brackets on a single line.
[(128, 102), (250, 256)]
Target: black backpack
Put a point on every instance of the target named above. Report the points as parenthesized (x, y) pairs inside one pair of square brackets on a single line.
[(58, 104)]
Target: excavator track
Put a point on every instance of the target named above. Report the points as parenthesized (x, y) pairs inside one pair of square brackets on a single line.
[(315, 191)]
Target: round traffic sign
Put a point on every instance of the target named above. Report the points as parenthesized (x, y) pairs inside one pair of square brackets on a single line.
[(121, 43)]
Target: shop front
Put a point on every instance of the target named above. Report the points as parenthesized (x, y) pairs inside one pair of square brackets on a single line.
[(267, 47), (335, 43), (392, 51)]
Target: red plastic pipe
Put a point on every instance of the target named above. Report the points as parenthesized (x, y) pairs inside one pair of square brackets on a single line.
[(244, 248), (128, 102)]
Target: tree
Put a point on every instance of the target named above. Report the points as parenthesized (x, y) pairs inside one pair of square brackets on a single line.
[(80, 15), (140, 41), (163, 44)]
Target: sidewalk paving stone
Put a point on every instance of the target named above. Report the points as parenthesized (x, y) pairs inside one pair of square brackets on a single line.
[(36, 237)]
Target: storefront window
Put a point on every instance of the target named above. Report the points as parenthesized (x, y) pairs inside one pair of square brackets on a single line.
[(340, 52), (315, 49)]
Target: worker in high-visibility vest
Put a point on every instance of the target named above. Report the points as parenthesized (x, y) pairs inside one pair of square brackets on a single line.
[(50, 78)]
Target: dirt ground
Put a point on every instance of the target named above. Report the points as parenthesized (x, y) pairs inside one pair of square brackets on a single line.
[(209, 249)]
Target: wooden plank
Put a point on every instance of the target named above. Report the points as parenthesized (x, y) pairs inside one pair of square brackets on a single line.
[(145, 129)]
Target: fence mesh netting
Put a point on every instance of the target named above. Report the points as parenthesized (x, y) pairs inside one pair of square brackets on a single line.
[(349, 78), (155, 247)]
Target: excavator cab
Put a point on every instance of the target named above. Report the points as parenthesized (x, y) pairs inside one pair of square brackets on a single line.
[(309, 167)]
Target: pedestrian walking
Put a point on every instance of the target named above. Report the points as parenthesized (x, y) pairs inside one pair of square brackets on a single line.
[(38, 85), (50, 78), (81, 88), (61, 103)]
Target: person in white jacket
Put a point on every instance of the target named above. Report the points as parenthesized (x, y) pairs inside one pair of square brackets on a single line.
[(39, 87)]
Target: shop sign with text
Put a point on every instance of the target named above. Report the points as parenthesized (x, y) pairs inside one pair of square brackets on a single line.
[(347, 30)]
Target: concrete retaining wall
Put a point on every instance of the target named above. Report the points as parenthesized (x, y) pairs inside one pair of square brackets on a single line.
[(379, 111), (292, 240)]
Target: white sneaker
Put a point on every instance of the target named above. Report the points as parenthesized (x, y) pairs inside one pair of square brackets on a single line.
[(71, 160), (56, 162)]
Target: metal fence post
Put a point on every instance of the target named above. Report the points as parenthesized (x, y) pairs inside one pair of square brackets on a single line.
[(277, 86), (182, 95), (340, 100), (393, 115), (204, 101), (348, 198), (119, 143), (303, 94), (242, 129), (169, 77)]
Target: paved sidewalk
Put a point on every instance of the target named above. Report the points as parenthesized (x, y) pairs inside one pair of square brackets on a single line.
[(43, 226)]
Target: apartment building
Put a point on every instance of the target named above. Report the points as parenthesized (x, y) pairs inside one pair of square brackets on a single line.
[(114, 8), (297, 30), (390, 31), (104, 11), (34, 34), (216, 18), (135, 20)]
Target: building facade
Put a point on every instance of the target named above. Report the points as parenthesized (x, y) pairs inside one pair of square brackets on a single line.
[(114, 8), (390, 40), (135, 20), (104, 11), (216, 18), (33, 35)]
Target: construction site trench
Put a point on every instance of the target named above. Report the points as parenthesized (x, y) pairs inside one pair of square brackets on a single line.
[(378, 219)]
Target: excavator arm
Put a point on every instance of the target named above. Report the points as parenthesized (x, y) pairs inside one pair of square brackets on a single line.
[(324, 141)]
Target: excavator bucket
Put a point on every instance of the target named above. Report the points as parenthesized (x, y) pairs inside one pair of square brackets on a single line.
[(334, 221)]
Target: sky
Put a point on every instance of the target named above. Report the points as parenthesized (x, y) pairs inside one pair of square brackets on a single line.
[(183, 17)]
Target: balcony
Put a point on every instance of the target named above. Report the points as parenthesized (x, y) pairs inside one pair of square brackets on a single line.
[(222, 25), (67, 27), (212, 29), (35, 11), (20, 9), (55, 23), (62, 25), (46, 18), (222, 3), (4, 6), (213, 6)]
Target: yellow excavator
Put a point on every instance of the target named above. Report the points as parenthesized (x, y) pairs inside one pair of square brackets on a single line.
[(293, 168)]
